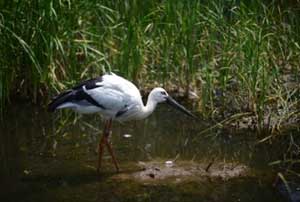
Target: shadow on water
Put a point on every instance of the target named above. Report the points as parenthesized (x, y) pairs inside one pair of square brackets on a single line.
[(46, 157)]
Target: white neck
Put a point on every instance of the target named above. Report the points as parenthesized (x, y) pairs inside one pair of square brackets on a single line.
[(149, 108)]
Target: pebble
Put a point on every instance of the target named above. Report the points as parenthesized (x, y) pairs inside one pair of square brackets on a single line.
[(169, 163), (127, 135)]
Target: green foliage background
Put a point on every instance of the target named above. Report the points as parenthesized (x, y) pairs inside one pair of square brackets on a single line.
[(235, 54)]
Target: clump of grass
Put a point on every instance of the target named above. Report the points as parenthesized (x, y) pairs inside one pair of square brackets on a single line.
[(240, 56)]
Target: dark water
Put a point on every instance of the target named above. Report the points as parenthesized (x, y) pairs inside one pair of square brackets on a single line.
[(49, 157)]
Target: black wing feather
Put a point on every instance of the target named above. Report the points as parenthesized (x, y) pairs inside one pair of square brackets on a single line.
[(122, 111), (89, 84), (76, 94), (59, 99)]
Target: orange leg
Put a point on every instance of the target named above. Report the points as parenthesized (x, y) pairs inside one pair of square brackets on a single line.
[(100, 153), (112, 153), (105, 141)]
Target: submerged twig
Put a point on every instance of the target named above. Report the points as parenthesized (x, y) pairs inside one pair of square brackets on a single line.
[(210, 164)]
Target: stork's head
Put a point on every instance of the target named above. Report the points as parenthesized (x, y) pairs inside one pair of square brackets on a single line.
[(160, 95)]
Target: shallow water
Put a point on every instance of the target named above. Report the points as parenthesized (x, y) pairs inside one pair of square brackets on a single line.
[(50, 157)]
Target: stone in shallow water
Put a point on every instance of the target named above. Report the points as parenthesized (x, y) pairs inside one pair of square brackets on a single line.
[(127, 135), (169, 163)]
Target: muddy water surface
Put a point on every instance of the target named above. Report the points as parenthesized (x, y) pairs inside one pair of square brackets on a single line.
[(50, 157)]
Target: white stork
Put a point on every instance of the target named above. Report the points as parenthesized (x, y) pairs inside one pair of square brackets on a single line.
[(115, 98)]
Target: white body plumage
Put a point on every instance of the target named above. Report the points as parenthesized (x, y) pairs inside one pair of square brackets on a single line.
[(113, 97)]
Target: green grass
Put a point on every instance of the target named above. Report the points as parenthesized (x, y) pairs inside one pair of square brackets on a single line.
[(239, 56)]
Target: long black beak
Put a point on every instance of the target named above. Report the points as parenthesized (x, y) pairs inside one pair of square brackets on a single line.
[(178, 106)]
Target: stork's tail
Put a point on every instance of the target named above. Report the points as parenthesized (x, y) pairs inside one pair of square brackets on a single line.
[(59, 100)]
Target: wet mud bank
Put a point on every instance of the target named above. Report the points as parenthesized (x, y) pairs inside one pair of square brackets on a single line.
[(185, 171)]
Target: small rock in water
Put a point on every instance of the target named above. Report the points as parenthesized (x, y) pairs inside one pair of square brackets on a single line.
[(127, 135), (169, 163)]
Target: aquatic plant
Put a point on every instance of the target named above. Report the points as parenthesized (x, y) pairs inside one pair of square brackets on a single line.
[(240, 56)]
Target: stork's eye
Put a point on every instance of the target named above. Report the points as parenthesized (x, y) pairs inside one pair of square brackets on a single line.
[(163, 93)]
